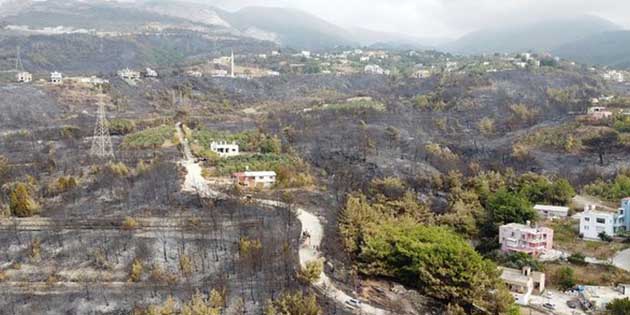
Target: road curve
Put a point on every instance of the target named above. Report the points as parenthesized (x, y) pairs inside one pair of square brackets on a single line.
[(196, 183)]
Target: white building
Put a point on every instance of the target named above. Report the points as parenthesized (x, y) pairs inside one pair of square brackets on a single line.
[(546, 211), (219, 73), (56, 78), (224, 149), (306, 54), (521, 64), (364, 58), (523, 283), (422, 74), (24, 77), (255, 179), (194, 73), (150, 73), (373, 69), (593, 222), (599, 112), (128, 74), (614, 75)]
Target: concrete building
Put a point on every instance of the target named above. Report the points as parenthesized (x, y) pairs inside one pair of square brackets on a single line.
[(224, 149), (598, 113), (373, 69), (128, 74), (150, 73), (220, 73), (546, 211), (422, 74), (524, 238), (523, 283), (614, 75), (593, 221), (255, 179), (56, 78), (194, 73), (24, 77)]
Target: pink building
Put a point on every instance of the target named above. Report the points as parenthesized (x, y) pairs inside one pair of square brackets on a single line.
[(525, 238)]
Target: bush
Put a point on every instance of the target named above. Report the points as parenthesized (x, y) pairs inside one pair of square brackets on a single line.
[(121, 126), (311, 272), (22, 204), (508, 207), (129, 223), (135, 274), (61, 185), (296, 303), (151, 138), (611, 191), (118, 169), (618, 307), (565, 278), (432, 259), (605, 237)]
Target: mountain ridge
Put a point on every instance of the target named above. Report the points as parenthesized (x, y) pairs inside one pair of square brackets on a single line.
[(540, 36)]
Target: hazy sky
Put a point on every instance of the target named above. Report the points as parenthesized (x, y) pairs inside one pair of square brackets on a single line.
[(442, 18)]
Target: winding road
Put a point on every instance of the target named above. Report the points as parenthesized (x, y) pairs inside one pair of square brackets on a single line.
[(195, 182)]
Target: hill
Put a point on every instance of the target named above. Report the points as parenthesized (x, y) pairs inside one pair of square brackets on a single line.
[(542, 36), (608, 48), (291, 27)]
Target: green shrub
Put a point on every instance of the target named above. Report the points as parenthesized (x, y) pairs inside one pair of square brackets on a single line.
[(149, 138), (612, 191), (121, 126), (577, 259)]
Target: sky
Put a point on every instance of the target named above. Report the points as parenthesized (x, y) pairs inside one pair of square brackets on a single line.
[(445, 19), (442, 18)]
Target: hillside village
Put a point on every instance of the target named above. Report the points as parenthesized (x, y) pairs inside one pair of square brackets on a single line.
[(241, 176)]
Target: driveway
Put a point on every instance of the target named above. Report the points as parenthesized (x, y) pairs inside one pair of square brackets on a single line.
[(558, 299), (622, 260)]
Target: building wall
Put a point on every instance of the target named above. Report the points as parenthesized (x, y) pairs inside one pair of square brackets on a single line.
[(593, 223), (521, 240), (625, 206)]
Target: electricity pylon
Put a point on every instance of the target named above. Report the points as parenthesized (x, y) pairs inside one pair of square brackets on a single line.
[(102, 141)]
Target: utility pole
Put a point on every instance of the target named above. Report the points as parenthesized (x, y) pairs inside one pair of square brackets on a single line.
[(102, 141)]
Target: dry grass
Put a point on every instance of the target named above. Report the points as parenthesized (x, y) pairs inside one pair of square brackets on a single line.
[(601, 275)]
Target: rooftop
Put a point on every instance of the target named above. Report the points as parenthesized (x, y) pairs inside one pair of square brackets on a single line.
[(551, 208)]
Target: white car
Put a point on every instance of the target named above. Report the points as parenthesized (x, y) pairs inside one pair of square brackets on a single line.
[(353, 302)]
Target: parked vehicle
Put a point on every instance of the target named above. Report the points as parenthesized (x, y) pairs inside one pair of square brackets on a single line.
[(549, 306), (353, 302)]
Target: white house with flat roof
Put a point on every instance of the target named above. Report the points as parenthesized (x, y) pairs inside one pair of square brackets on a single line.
[(255, 179), (24, 77), (594, 221), (552, 211), (523, 283), (56, 78), (224, 149)]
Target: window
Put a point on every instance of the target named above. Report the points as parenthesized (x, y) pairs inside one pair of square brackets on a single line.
[(586, 227), (587, 219), (601, 220)]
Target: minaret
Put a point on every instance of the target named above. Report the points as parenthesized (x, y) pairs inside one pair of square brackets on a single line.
[(232, 66)]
